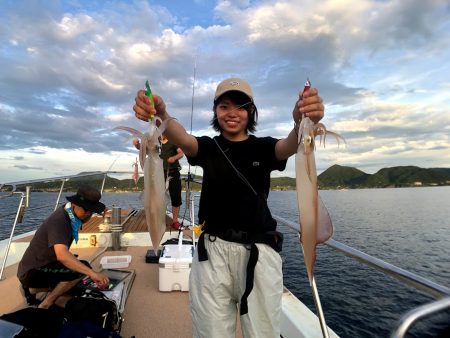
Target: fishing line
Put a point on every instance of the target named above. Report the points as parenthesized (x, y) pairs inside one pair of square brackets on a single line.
[(188, 188), (193, 91), (113, 162), (107, 171)]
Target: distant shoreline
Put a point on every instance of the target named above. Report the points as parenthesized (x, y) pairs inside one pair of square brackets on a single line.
[(272, 189), (334, 178)]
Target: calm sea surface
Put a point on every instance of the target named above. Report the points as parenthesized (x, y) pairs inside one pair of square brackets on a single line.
[(408, 227)]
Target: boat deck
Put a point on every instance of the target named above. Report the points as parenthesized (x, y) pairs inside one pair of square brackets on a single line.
[(148, 312), (133, 221)]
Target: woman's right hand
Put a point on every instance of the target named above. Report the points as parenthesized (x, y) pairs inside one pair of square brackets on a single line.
[(143, 109)]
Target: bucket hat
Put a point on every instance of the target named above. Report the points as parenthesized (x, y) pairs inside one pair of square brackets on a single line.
[(89, 199)]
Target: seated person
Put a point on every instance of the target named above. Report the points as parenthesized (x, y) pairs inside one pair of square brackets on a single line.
[(47, 264)]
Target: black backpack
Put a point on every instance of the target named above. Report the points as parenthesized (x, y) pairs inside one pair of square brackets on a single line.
[(37, 323), (94, 306), (84, 329)]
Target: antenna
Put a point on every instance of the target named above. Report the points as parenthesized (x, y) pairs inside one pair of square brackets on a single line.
[(193, 91), (189, 177)]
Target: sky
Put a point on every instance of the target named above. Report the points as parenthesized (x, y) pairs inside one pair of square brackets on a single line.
[(70, 70)]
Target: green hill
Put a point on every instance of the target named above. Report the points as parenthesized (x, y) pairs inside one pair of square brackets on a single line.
[(338, 176), (407, 176), (111, 184), (282, 183)]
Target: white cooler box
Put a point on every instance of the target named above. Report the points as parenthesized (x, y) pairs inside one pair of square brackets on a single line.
[(174, 267)]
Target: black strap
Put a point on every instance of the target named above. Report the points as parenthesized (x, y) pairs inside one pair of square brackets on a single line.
[(252, 260), (201, 249), (240, 237), (240, 175)]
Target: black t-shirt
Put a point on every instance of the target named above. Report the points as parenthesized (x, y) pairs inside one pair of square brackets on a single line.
[(168, 150), (56, 229), (226, 201)]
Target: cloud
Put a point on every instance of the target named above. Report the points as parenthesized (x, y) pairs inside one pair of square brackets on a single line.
[(26, 167), (69, 71)]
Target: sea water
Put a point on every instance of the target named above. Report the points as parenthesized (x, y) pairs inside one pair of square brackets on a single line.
[(407, 227)]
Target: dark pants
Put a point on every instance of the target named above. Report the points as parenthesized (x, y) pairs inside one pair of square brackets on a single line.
[(174, 187), (50, 275)]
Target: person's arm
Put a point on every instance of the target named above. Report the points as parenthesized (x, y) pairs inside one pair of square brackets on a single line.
[(65, 257), (176, 157), (174, 131), (311, 105)]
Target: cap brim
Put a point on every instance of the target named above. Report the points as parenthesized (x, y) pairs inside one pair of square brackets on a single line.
[(232, 91), (72, 199)]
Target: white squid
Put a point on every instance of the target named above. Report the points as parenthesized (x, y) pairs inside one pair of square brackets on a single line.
[(315, 222), (154, 186), (135, 172)]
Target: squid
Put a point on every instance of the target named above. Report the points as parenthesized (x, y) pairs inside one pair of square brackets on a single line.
[(315, 222), (135, 172), (152, 165)]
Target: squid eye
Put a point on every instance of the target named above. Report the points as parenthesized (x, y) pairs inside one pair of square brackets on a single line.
[(308, 144)]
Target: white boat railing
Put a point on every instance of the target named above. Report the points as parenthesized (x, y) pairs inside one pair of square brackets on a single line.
[(440, 292), (23, 203), (418, 313)]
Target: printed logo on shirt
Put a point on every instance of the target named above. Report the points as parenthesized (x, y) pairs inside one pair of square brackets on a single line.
[(255, 164)]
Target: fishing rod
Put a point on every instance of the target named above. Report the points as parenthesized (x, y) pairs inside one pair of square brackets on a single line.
[(189, 177), (106, 173), (193, 92)]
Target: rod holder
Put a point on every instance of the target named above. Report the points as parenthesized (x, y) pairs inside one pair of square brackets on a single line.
[(116, 228), (27, 196), (116, 217)]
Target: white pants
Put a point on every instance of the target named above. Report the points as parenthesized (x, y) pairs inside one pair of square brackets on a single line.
[(217, 285)]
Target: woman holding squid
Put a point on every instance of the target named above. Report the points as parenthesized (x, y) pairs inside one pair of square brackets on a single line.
[(237, 264)]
